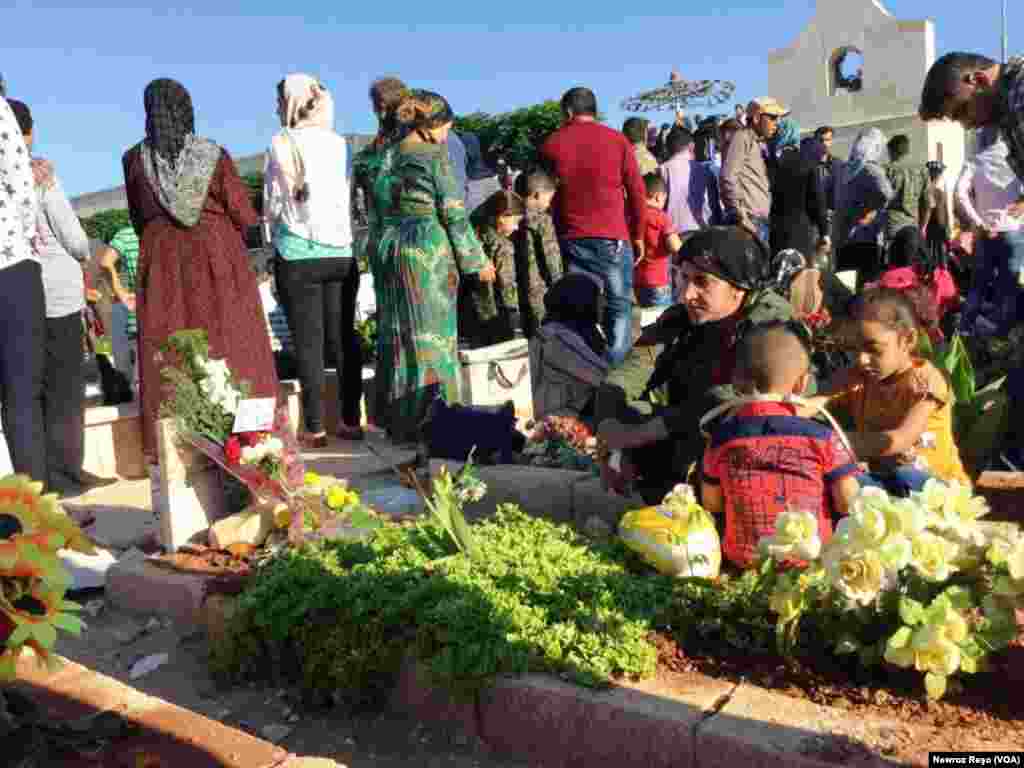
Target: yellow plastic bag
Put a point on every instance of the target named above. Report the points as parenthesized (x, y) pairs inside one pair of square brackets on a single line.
[(678, 537)]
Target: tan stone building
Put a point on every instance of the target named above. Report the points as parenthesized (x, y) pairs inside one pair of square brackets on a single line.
[(856, 66)]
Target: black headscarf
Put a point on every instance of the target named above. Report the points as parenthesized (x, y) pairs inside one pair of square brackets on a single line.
[(730, 253), (169, 117), (575, 302)]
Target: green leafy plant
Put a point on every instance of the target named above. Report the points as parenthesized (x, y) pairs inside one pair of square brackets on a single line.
[(105, 224), (367, 330), (343, 615), (517, 135), (979, 413)]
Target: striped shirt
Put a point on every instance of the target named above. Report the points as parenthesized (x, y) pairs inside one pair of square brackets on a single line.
[(126, 243)]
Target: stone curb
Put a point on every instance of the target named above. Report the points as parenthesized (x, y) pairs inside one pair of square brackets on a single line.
[(709, 724), (189, 736)]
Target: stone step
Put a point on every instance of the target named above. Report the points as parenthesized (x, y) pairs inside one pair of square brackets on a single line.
[(1004, 492)]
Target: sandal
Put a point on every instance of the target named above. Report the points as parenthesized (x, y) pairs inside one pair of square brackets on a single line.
[(353, 434), (309, 440)]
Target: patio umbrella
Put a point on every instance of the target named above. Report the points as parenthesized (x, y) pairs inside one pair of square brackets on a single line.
[(679, 93)]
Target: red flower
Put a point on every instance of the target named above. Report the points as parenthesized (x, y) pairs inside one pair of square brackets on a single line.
[(233, 450), (250, 439)]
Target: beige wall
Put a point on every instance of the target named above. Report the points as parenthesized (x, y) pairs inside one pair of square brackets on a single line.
[(896, 53)]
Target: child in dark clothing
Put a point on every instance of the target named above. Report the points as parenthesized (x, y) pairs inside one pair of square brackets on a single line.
[(538, 254), (489, 312), (765, 460)]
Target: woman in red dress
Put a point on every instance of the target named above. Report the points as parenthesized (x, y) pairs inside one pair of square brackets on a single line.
[(191, 210)]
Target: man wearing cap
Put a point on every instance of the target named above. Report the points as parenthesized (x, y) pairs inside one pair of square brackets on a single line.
[(744, 184), (721, 281)]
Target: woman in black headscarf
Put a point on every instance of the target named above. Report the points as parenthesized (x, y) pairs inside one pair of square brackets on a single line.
[(567, 356), (191, 212)]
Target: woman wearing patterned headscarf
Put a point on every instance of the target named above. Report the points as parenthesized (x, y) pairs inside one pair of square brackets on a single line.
[(386, 94), (862, 192), (426, 242), (191, 212), (306, 203), (798, 213)]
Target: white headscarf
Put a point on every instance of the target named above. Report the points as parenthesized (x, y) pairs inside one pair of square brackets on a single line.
[(299, 90), (302, 92)]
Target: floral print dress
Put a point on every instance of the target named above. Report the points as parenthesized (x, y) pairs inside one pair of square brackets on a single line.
[(372, 164), (425, 242)]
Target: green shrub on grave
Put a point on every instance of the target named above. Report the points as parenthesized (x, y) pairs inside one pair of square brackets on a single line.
[(535, 598)]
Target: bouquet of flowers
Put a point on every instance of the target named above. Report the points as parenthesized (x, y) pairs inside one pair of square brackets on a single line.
[(328, 509), (564, 442), (204, 396), (918, 582)]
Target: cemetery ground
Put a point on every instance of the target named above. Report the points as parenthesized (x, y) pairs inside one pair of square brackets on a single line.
[(713, 709)]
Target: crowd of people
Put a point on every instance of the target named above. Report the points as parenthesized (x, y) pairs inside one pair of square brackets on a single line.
[(735, 230)]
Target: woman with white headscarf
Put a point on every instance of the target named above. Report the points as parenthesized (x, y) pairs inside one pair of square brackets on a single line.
[(306, 204), (862, 193)]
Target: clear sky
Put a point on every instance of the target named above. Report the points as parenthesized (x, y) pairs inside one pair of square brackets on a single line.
[(81, 66)]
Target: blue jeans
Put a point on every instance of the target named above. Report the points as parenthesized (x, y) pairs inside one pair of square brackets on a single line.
[(1000, 263), (897, 482), (654, 296), (611, 263)]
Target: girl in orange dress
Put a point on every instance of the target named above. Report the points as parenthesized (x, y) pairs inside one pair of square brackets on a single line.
[(901, 404)]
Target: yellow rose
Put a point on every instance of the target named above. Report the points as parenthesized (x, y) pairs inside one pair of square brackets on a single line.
[(905, 517), (1015, 560), (934, 652), (932, 556), (311, 480), (339, 497), (796, 535), (952, 626), (858, 575), (952, 506), (866, 523)]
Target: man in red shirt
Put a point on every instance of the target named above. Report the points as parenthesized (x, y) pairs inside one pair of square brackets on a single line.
[(601, 209)]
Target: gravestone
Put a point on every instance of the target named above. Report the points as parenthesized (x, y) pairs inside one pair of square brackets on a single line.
[(856, 66), (188, 489)]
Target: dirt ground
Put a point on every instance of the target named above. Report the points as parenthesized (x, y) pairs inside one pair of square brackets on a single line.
[(115, 641)]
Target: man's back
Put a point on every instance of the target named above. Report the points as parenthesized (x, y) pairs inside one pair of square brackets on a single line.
[(595, 164), (689, 192), (909, 182)]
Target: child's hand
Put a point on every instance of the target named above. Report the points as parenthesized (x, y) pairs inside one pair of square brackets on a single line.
[(813, 406), (487, 274)]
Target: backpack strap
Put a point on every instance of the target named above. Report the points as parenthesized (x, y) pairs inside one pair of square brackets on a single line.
[(734, 405)]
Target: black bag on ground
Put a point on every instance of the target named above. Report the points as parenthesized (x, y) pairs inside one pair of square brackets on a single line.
[(114, 384), (452, 431)]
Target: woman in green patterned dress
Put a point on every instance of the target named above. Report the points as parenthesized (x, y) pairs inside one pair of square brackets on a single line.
[(426, 242), (373, 161)]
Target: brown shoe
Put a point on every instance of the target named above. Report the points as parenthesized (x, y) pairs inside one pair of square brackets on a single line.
[(352, 434), (313, 442)]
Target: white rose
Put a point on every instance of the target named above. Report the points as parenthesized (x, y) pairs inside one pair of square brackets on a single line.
[(796, 535), (858, 575), (932, 556)]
